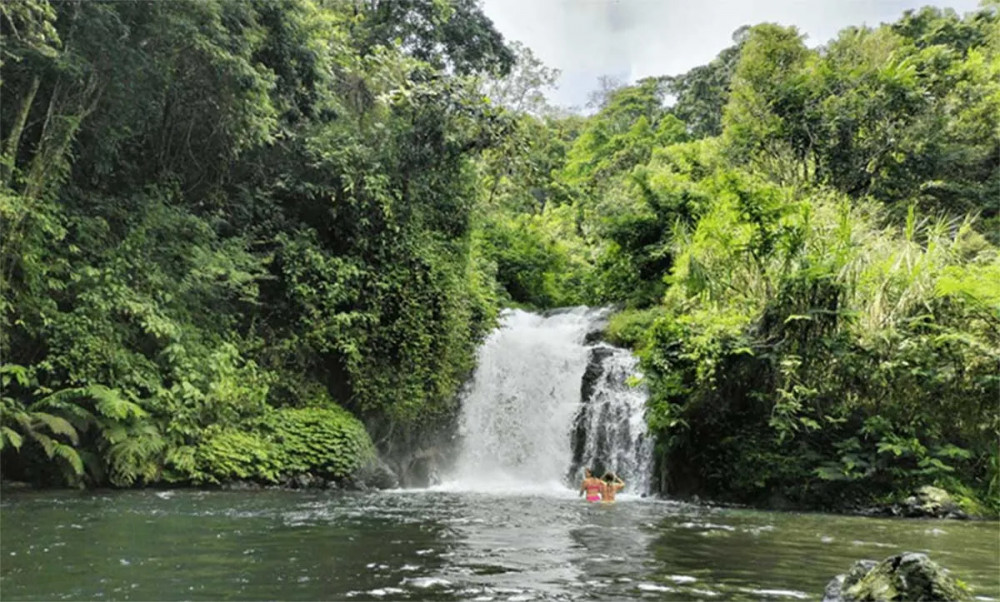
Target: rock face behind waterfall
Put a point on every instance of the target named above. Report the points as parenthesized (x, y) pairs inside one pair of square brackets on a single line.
[(595, 370), (903, 577), (609, 428)]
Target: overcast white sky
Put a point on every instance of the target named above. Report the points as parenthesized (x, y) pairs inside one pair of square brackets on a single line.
[(632, 39)]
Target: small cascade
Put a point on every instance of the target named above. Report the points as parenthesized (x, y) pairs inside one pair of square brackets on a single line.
[(610, 426), (543, 403)]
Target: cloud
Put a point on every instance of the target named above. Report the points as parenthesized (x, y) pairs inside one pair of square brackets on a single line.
[(632, 39)]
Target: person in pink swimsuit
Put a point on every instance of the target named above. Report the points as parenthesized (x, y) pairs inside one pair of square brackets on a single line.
[(593, 486)]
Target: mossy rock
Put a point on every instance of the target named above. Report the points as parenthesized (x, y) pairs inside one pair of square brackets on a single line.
[(908, 576), (932, 502)]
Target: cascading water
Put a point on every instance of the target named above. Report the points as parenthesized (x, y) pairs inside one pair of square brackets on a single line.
[(610, 427), (524, 422)]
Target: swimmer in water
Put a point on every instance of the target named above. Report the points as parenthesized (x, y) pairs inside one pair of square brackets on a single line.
[(593, 486), (612, 485)]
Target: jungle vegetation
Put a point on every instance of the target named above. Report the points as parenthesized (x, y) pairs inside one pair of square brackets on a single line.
[(249, 238)]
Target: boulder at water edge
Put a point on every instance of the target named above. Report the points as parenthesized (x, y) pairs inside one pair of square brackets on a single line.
[(375, 474), (908, 576), (931, 502)]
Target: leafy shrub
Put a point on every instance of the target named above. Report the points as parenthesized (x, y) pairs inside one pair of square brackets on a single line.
[(326, 442), (232, 454), (629, 328)]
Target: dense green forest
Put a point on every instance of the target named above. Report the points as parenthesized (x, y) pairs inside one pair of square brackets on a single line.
[(250, 239)]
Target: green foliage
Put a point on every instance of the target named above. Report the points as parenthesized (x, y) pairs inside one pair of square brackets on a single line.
[(905, 112), (249, 194), (703, 92), (629, 328), (540, 259), (232, 454), (815, 334), (326, 442), (630, 124)]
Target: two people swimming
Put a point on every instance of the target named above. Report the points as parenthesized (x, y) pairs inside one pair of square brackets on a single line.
[(601, 490)]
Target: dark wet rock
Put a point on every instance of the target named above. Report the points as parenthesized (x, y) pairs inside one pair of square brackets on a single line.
[(594, 371), (591, 376), (375, 475), (241, 486), (422, 469), (303, 480), (16, 485), (834, 589), (594, 337), (907, 576)]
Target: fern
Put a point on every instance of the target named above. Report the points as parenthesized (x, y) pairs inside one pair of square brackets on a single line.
[(55, 424), (136, 455), (10, 436), (70, 456), (94, 465), (112, 405), (18, 374)]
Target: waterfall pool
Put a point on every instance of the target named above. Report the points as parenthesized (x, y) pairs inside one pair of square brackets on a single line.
[(445, 545), (503, 525)]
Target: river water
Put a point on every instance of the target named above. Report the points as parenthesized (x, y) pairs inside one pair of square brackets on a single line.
[(445, 545)]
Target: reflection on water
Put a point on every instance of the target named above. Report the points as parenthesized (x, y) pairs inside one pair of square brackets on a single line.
[(445, 545)]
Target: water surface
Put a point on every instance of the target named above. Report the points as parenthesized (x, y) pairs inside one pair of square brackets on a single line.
[(445, 545)]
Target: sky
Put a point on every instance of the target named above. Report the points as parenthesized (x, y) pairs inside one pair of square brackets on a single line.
[(632, 39)]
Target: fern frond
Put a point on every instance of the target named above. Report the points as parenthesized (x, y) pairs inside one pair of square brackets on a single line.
[(113, 432), (71, 457), (111, 404), (182, 458), (57, 425), (23, 419), (79, 416), (48, 443), (16, 372), (8, 435), (135, 455), (60, 399)]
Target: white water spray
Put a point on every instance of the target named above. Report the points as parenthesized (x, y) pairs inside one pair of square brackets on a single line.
[(518, 417)]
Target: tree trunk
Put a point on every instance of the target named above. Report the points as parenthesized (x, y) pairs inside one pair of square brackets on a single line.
[(14, 138)]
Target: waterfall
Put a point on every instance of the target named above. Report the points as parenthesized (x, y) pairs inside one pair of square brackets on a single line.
[(610, 427), (542, 400)]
